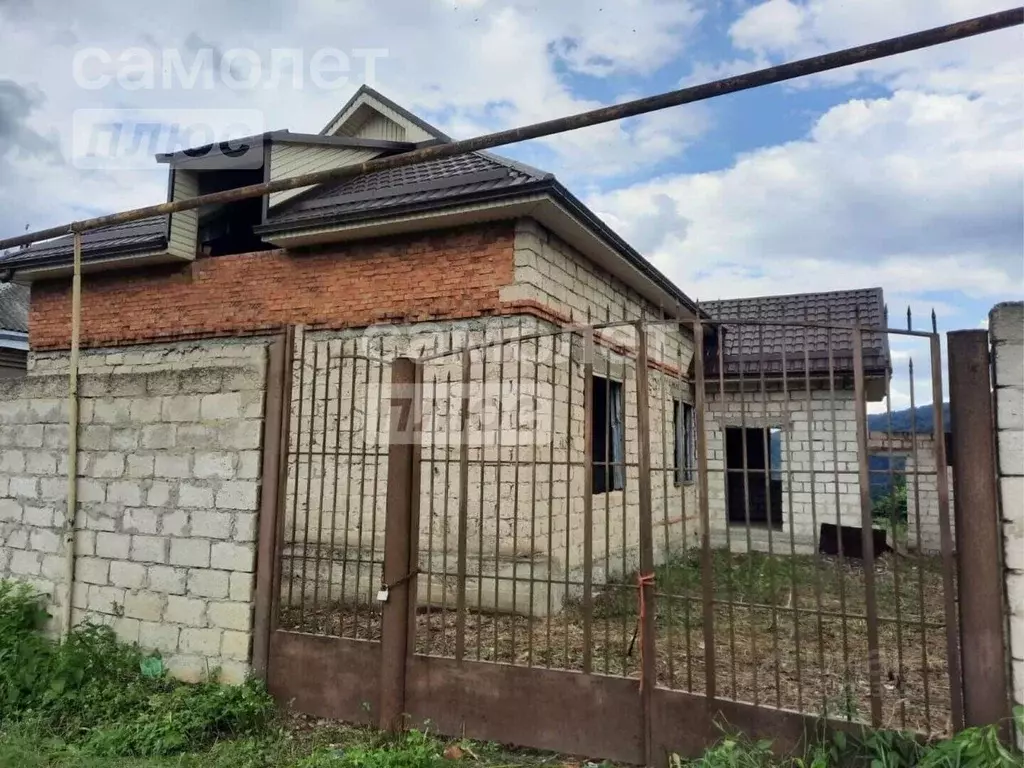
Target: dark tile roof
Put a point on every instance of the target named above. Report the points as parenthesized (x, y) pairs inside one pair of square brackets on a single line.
[(747, 343), (14, 307), (101, 243), (426, 184)]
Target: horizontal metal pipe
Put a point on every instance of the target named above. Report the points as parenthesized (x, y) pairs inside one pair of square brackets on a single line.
[(769, 75)]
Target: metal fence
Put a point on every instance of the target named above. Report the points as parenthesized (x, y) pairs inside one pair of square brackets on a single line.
[(605, 539)]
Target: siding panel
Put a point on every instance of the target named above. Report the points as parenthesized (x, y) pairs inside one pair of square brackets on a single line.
[(288, 160)]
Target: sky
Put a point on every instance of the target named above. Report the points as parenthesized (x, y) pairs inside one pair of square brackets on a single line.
[(906, 173)]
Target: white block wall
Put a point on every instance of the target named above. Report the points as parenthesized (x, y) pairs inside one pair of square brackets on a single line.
[(1006, 329), (169, 469)]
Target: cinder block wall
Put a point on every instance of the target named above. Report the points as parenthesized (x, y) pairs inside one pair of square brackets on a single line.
[(818, 485), (169, 467), (1006, 329), (923, 498)]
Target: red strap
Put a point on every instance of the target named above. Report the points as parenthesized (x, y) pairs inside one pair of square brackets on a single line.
[(643, 580)]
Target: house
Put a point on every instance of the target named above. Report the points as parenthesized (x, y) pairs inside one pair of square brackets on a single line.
[(13, 330), (176, 318)]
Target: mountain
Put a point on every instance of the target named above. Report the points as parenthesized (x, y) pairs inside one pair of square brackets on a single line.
[(901, 420)]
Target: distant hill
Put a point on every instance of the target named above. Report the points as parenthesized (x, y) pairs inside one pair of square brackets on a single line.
[(901, 420)]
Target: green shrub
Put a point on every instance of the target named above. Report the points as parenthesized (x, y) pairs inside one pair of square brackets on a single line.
[(106, 696), (414, 749)]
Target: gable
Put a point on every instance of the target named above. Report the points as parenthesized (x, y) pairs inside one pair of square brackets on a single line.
[(369, 115)]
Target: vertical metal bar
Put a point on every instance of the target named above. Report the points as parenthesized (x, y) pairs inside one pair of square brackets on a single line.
[(707, 565), (866, 526), (332, 543), (533, 494), (840, 574), (323, 481), (729, 591), (901, 670), (751, 562), (686, 473), (277, 369), (309, 483), (460, 599), (766, 457), (588, 498), (648, 673), (281, 470), (431, 512), (298, 461), (571, 336), (669, 414), (404, 432), (484, 353), (624, 410), (923, 630), (986, 694), (376, 475), (607, 474), (499, 446), (948, 562), (794, 592), (516, 478), (71, 512), (362, 504), (446, 525), (348, 486), (815, 531), (551, 498)]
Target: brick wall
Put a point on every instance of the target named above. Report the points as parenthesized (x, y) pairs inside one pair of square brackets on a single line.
[(169, 468), (451, 274), (1006, 329), (923, 528)]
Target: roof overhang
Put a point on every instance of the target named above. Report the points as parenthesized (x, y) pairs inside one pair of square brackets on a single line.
[(128, 260), (13, 340), (548, 209)]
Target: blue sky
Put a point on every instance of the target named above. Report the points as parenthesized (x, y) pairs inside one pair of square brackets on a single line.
[(906, 173)]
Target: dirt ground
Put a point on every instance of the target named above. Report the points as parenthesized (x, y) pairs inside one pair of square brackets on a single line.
[(773, 646)]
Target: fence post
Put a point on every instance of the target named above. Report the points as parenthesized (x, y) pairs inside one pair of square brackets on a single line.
[(983, 655), (276, 414), (399, 565)]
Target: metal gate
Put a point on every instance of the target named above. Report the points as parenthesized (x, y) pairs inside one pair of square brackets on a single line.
[(584, 548)]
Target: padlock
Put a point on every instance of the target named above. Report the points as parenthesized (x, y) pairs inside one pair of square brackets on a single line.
[(382, 595)]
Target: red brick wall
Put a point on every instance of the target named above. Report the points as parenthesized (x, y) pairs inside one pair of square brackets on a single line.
[(447, 275)]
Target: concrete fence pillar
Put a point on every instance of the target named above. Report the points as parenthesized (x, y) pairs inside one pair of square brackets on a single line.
[(1006, 329)]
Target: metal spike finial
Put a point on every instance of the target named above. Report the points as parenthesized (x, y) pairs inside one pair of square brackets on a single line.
[(911, 367), (935, 322), (910, 319)]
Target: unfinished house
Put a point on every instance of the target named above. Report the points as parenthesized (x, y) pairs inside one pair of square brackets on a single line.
[(781, 430)]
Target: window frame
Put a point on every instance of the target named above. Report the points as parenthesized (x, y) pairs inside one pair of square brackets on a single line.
[(684, 443), (608, 473)]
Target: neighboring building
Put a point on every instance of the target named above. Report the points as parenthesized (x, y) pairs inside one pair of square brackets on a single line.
[(13, 330)]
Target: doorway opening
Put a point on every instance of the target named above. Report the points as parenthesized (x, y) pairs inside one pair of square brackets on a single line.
[(753, 462)]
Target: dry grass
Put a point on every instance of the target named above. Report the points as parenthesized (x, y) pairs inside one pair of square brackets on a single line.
[(772, 645)]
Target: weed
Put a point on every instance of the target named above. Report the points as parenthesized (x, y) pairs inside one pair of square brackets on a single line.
[(106, 697)]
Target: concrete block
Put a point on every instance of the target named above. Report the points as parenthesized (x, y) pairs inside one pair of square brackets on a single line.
[(116, 546), (222, 406), (157, 636), (233, 672), (145, 410), (241, 435), (12, 462), (126, 629), (137, 520), (198, 436), (235, 645), (25, 563), (53, 488), (174, 466), (148, 606), (40, 463), (215, 465), (149, 549), (238, 495), (201, 641), (91, 491), (46, 541), (94, 437), (85, 543), (211, 525), (105, 599), (1010, 407), (127, 575), (249, 465), (190, 552), (24, 487), (185, 610), (11, 511), (110, 411), (189, 669), (237, 616), (53, 568), (195, 497), (246, 526), (1015, 592), (168, 580), (162, 383), (1010, 444), (43, 517), (206, 583), (159, 494), (128, 493), (241, 588), (179, 408), (140, 466), (158, 437), (234, 557), (1017, 636), (174, 523)]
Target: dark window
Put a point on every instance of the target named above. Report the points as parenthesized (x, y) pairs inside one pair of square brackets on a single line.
[(608, 436), (685, 441)]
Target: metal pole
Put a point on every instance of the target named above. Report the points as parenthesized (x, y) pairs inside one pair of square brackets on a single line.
[(986, 697), (781, 73), (69, 517)]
